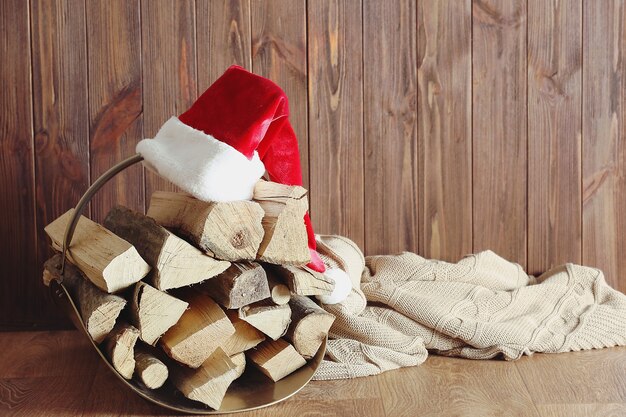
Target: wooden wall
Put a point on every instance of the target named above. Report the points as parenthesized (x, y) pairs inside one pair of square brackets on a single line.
[(441, 127)]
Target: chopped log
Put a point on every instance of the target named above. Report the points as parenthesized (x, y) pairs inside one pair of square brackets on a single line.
[(154, 312), (309, 325), (109, 261), (150, 370), (276, 358), (199, 331), (267, 317), (175, 263), (245, 336), (279, 292), (242, 284), (120, 346), (239, 360), (231, 231), (285, 239), (302, 280), (98, 309), (208, 383)]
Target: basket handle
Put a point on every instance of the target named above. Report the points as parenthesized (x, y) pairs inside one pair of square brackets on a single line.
[(86, 198)]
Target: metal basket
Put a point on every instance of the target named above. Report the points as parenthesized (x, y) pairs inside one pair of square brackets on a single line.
[(251, 391)]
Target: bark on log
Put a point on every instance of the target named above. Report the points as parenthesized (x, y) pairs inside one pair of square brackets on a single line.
[(175, 263), (98, 309), (230, 231), (309, 325), (109, 261), (242, 284)]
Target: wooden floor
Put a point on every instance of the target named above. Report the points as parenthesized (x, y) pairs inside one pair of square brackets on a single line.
[(57, 374)]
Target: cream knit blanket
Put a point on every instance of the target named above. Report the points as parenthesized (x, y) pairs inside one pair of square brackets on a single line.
[(403, 306)]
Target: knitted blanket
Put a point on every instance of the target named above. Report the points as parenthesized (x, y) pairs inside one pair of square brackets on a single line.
[(403, 306)]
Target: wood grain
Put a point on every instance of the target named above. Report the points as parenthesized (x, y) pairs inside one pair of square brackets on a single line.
[(554, 136), (499, 127), (115, 100), (390, 127), (444, 133), (17, 205), (223, 36), (604, 150), (279, 53), (61, 122), (168, 33), (336, 117)]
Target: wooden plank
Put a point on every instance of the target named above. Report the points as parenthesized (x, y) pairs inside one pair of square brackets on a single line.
[(279, 53), (168, 53), (390, 123), (336, 117), (604, 153), (61, 120), (115, 100), (223, 36), (554, 136), (445, 128), (17, 201), (499, 128)]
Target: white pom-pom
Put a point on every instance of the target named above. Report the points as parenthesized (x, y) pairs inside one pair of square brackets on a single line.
[(343, 286)]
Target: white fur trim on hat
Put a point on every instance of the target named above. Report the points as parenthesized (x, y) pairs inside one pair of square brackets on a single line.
[(205, 167), (342, 289)]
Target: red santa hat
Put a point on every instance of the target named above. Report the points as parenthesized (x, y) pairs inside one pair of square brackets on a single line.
[(219, 148)]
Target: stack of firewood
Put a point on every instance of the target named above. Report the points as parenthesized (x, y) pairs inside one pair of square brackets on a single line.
[(193, 291)]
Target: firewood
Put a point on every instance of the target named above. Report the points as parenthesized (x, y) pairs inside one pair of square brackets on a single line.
[(231, 231), (285, 239), (120, 346), (245, 336), (98, 309), (153, 312), (199, 331), (109, 261), (309, 325), (267, 317), (242, 284), (276, 358), (175, 263), (239, 360), (279, 292), (208, 383), (302, 280), (149, 369)]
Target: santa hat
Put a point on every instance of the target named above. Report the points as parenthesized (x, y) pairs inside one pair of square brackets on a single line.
[(219, 148)]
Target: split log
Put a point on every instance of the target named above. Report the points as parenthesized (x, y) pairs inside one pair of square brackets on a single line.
[(239, 360), (309, 325), (231, 231), (302, 280), (150, 370), (279, 292), (271, 319), (199, 331), (276, 358), (245, 336), (120, 346), (242, 284), (208, 383), (175, 263), (285, 239), (98, 309), (109, 261), (154, 312)]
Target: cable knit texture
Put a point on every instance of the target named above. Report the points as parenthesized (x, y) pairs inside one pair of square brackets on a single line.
[(402, 306)]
